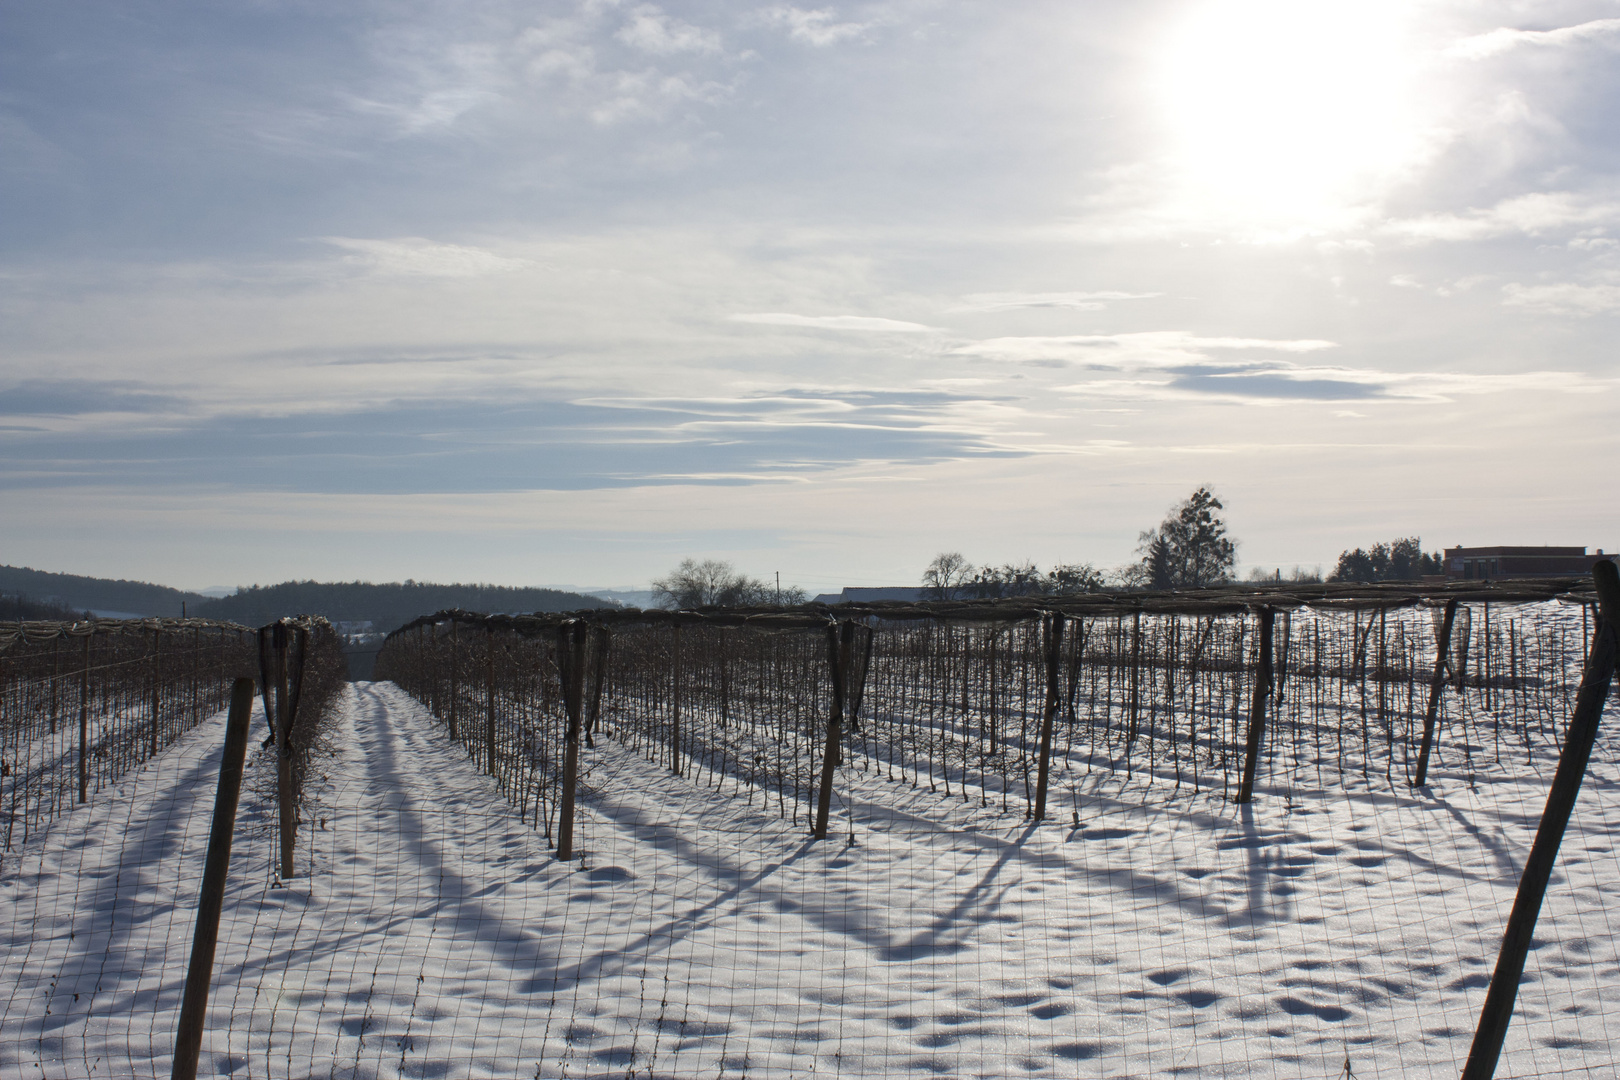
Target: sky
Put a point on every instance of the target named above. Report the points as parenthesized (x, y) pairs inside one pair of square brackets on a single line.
[(564, 292)]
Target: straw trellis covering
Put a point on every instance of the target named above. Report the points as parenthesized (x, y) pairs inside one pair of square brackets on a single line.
[(1331, 685), (302, 674), (83, 703)]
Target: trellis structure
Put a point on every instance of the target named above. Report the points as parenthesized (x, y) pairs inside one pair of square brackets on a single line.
[(996, 700), (83, 703)]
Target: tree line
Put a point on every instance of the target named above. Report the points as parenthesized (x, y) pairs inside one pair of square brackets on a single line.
[(1190, 549)]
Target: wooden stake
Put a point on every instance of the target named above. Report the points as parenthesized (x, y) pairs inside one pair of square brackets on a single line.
[(571, 653), (157, 702), (200, 973), (1257, 707), (1566, 785), (1436, 685), (1054, 659), (839, 643), (675, 695), (604, 641), (454, 687), (288, 819), (489, 700), (84, 723)]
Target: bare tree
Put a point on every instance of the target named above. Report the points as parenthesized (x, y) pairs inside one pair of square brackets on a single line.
[(716, 583), (952, 577), (947, 576)]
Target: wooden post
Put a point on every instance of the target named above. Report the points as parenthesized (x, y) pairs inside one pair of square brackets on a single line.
[(839, 644), (56, 670), (84, 723), (571, 640), (1054, 658), (1490, 696), (604, 641), (287, 820), (157, 697), (1566, 785), (194, 1005), (1257, 707), (675, 699), (489, 700), (1436, 685), (454, 686)]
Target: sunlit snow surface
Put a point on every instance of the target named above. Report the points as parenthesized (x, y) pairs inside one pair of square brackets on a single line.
[(1168, 935)]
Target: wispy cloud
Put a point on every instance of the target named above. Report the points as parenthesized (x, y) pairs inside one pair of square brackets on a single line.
[(834, 322), (1563, 298), (1176, 365), (1533, 214), (417, 257), (1078, 301), (457, 444), (813, 26), (83, 397), (1505, 38), (613, 70), (1156, 348), (652, 31)]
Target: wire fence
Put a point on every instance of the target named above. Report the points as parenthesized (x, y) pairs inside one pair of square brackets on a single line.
[(83, 703), (431, 933), (1339, 923), (1349, 694)]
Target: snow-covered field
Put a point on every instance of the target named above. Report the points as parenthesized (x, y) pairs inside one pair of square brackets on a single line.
[(1164, 936)]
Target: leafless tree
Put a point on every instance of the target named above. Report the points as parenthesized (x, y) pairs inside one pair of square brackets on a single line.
[(947, 577), (716, 583)]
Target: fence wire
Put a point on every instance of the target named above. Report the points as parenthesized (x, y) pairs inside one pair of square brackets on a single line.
[(1152, 927), (83, 703)]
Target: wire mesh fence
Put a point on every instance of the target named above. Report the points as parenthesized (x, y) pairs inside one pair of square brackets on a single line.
[(1343, 920), (955, 703), (83, 703)]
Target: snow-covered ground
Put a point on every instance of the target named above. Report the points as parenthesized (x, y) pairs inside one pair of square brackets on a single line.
[(1164, 936)]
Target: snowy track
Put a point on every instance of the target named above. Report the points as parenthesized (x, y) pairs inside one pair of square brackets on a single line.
[(702, 937)]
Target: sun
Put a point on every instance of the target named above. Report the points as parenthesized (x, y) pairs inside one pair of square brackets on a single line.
[(1288, 113)]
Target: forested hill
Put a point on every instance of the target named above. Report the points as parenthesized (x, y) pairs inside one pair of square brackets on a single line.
[(97, 594), (387, 606)]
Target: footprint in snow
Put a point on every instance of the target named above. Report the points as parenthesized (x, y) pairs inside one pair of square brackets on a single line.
[(1295, 1007)]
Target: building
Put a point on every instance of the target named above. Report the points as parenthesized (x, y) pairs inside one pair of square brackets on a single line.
[(862, 595), (1464, 563)]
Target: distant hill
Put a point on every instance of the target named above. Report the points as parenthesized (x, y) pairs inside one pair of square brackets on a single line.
[(97, 594), (387, 606)]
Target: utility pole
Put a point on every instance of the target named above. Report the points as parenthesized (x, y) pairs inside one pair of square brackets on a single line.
[(779, 588)]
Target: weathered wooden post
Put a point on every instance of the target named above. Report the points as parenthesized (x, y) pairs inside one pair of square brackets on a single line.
[(604, 641), (675, 698), (840, 640), (84, 722), (56, 671), (211, 901), (1566, 785), (280, 706), (1053, 625), (288, 819), (489, 699), (1257, 707), (1436, 685), (157, 693), (455, 687), (571, 640)]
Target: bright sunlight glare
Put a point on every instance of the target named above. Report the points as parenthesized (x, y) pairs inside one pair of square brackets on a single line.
[(1288, 114)]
